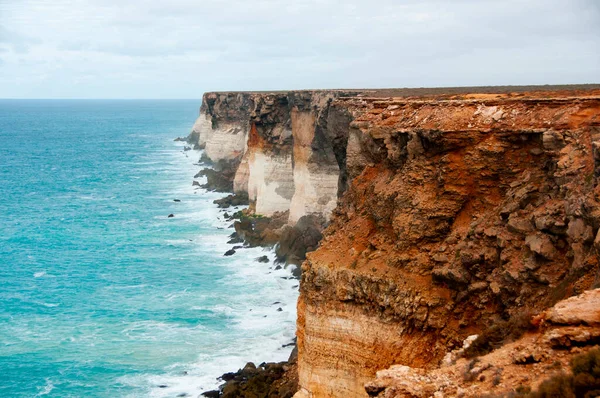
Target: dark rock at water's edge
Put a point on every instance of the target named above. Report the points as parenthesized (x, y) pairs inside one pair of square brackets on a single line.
[(263, 259), (205, 160), (190, 139), (239, 199), (260, 231), (291, 242), (235, 216), (235, 239), (176, 200), (220, 177), (229, 252), (181, 139), (186, 148), (300, 239), (265, 380), (216, 180), (171, 215)]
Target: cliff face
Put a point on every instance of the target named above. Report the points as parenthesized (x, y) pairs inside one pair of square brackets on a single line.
[(281, 146), (448, 213), (222, 126), (460, 213)]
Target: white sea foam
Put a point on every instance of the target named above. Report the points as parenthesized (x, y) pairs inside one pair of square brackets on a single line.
[(45, 390), (39, 274), (260, 307), (50, 305)]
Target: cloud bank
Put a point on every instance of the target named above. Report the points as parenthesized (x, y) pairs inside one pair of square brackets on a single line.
[(181, 48)]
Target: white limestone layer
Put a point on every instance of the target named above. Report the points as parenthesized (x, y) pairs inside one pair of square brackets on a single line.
[(203, 128), (226, 142), (316, 186), (270, 182)]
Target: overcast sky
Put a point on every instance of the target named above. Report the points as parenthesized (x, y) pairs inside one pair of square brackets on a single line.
[(181, 48)]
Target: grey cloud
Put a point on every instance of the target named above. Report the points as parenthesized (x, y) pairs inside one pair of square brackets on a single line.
[(18, 42), (268, 44)]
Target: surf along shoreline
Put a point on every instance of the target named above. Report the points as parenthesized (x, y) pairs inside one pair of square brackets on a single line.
[(249, 231)]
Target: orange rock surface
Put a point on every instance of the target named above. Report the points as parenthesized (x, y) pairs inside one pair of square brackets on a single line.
[(461, 211), (456, 210)]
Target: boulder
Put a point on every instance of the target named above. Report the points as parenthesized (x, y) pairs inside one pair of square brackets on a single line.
[(519, 225), (238, 199), (582, 309), (542, 245)]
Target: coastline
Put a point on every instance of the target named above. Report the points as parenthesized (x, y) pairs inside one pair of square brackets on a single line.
[(429, 198), (251, 260), (104, 295)]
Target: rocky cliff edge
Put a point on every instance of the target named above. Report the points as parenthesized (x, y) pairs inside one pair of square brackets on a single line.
[(450, 213)]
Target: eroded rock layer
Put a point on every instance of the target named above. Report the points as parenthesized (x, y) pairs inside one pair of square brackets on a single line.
[(545, 359)]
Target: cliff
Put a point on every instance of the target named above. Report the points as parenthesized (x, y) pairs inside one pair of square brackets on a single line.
[(287, 148), (461, 213), (450, 212)]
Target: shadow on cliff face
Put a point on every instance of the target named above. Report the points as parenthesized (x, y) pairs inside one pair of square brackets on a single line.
[(220, 177), (300, 239)]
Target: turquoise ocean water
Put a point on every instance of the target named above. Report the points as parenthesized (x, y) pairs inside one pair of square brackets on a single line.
[(103, 295)]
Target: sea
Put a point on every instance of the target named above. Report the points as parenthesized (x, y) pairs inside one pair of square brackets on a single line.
[(102, 294)]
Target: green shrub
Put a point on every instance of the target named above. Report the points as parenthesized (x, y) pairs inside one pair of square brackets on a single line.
[(583, 383), (498, 334), (560, 386)]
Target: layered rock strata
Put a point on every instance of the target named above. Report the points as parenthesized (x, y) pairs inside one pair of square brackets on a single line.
[(284, 147), (449, 211), (564, 335), (460, 213)]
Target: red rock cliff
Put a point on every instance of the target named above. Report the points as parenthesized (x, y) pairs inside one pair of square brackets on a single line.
[(452, 210), (461, 211)]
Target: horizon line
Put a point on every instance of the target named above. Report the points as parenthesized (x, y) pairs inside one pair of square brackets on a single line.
[(96, 99), (517, 87)]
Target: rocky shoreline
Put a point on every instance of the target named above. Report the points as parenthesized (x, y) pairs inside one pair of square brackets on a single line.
[(273, 379), (290, 244)]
